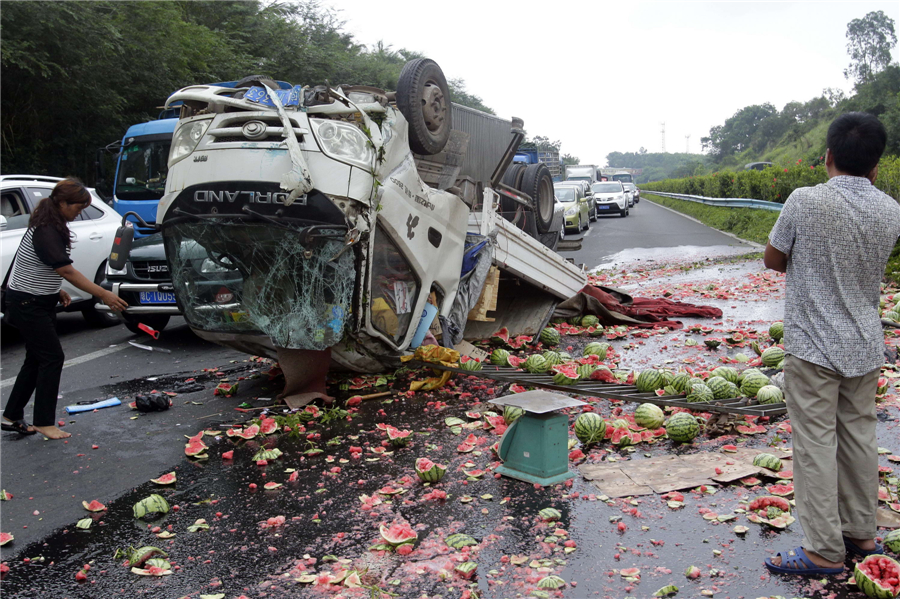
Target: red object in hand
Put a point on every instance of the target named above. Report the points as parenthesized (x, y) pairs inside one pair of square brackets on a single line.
[(152, 332)]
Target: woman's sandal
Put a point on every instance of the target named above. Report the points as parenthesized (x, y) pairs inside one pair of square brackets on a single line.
[(796, 562), (17, 426)]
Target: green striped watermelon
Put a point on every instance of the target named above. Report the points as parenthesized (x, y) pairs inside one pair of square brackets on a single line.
[(648, 381), (590, 428), (878, 576), (768, 394), (726, 372), (550, 337), (768, 461), (596, 348), (771, 356), (681, 382), (720, 387), (892, 540), (512, 413), (428, 471), (499, 356), (649, 416), (501, 337), (535, 363), (552, 358), (586, 370), (470, 364), (699, 393), (682, 427), (776, 331), (752, 382), (565, 374), (589, 321)]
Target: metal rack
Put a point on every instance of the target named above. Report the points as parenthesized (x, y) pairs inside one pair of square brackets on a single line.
[(506, 374)]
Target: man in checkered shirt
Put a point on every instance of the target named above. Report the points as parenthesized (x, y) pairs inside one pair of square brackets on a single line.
[(833, 241)]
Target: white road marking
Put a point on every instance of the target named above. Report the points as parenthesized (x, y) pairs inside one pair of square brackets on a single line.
[(79, 360)]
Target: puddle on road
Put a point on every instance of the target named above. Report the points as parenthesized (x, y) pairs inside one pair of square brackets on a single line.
[(671, 255)]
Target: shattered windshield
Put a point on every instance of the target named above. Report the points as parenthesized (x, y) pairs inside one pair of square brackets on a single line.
[(142, 170), (256, 278)]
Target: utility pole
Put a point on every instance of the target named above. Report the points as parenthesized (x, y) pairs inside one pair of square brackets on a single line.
[(687, 143), (662, 132)]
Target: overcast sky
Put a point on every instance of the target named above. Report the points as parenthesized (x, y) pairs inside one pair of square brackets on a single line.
[(602, 76)]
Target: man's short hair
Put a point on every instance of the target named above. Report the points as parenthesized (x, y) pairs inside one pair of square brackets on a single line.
[(857, 141)]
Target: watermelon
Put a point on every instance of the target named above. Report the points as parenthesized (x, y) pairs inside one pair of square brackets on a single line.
[(552, 358), (771, 356), (195, 447), (589, 321), (712, 343), (397, 437), (892, 315), (153, 504), (398, 534), (590, 428), (465, 569), (550, 337), (565, 374), (459, 540), (596, 331), (93, 506), (622, 437), (768, 507), (586, 370), (681, 382), (752, 382), (552, 582), (499, 356), (699, 393), (248, 433), (512, 413), (666, 591), (574, 320), (682, 427), (226, 389), (565, 356), (776, 331), (781, 490), (515, 361), (603, 374), (137, 557), (648, 381), (501, 337), (535, 363), (550, 514), (878, 576), (596, 348), (267, 426), (5, 538), (428, 471), (892, 540), (470, 364), (721, 389), (767, 461), (726, 372), (649, 416), (769, 394), (165, 479)]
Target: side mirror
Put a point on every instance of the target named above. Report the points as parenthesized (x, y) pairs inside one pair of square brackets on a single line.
[(2, 223), (121, 247)]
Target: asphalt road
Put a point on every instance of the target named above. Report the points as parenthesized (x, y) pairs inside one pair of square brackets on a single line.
[(652, 232)]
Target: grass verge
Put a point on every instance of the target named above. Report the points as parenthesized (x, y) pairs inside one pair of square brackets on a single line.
[(748, 223)]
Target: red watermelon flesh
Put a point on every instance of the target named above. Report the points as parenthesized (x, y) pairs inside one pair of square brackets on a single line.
[(604, 375), (761, 503), (194, 447), (515, 361), (883, 571), (165, 479), (781, 490), (5, 538), (249, 432), (519, 341), (93, 506), (501, 336), (267, 426), (397, 534)]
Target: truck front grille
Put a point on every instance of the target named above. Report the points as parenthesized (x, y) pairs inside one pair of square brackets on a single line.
[(151, 270)]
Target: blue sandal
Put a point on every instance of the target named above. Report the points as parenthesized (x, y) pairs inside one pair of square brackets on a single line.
[(796, 562), (855, 551)]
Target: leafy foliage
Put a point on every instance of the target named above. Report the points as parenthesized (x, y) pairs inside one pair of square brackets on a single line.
[(869, 43)]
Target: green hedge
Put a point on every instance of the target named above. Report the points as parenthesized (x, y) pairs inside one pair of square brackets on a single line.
[(774, 184)]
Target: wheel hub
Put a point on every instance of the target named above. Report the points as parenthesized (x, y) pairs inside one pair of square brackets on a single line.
[(434, 107)]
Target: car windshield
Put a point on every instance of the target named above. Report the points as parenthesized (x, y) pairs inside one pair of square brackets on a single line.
[(142, 171), (565, 194), (606, 188)]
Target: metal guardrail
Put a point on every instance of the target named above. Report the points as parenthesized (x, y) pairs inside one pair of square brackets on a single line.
[(506, 374), (728, 202)]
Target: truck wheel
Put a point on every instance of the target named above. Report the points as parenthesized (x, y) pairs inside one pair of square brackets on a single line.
[(512, 178), (97, 318), (424, 99), (538, 183), (154, 321)]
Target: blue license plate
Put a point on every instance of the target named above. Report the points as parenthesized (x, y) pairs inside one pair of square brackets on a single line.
[(157, 297), (603, 207)]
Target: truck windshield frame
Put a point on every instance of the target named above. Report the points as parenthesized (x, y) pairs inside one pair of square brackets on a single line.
[(607, 187), (142, 169), (623, 177)]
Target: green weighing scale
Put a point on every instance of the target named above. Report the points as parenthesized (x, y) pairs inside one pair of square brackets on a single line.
[(535, 447)]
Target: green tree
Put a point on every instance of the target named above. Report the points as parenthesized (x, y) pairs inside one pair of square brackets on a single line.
[(869, 43), (568, 159)]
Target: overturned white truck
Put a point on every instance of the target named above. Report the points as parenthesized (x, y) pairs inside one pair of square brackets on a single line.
[(329, 218)]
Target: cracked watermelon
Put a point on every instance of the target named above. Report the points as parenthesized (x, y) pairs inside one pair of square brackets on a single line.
[(565, 374), (878, 576), (398, 534), (428, 471), (501, 337), (165, 479), (649, 416), (515, 361), (590, 428), (5, 538), (771, 510), (267, 426), (512, 413), (469, 363)]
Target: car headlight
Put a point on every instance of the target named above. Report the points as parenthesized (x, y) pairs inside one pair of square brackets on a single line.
[(112, 272), (570, 212), (186, 138), (344, 142)]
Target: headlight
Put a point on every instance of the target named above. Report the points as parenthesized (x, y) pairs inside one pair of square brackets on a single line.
[(186, 139), (112, 272), (344, 142), (570, 212)]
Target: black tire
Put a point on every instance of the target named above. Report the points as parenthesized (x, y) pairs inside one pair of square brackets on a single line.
[(538, 183), (511, 178), (623, 213), (154, 321), (98, 318), (587, 223), (424, 99)]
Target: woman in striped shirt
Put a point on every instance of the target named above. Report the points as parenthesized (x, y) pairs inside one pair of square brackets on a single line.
[(41, 263)]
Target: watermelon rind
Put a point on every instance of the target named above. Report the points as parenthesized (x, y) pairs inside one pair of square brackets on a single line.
[(428, 471), (892, 540), (649, 416), (512, 413), (501, 337), (550, 337), (5, 538), (153, 504), (394, 537), (872, 588), (590, 428), (551, 582), (459, 540), (550, 514), (565, 374), (165, 479), (767, 461), (471, 365), (682, 427)]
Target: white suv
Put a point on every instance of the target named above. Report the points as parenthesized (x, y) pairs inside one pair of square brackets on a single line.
[(611, 196), (94, 229)]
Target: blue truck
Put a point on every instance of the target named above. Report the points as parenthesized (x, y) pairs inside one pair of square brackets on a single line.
[(534, 156)]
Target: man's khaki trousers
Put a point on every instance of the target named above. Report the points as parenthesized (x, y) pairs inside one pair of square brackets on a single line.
[(835, 454)]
